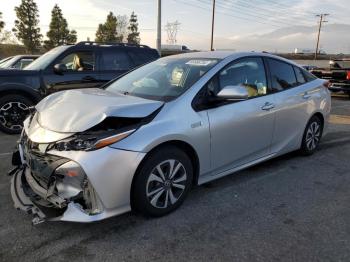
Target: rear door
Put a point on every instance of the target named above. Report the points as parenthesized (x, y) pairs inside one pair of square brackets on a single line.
[(113, 63), (241, 132), (293, 104)]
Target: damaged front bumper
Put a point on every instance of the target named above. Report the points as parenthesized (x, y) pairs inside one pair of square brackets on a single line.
[(49, 188)]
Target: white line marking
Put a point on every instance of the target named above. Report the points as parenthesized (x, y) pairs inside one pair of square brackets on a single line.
[(5, 154)]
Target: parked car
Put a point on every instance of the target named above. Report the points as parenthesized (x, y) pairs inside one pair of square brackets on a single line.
[(17, 62), (309, 67), (84, 65), (5, 59), (338, 75), (143, 140)]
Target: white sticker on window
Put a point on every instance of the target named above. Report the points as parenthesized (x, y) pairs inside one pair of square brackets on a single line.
[(199, 62)]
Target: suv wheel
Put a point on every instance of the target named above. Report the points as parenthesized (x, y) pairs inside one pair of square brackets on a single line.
[(13, 111), (312, 136), (162, 183)]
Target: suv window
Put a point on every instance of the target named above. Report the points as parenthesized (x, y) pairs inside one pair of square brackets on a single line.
[(282, 75), (248, 72), (141, 58), (115, 60), (79, 61), (300, 76)]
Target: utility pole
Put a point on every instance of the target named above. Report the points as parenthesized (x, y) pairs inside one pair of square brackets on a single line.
[(321, 16), (159, 27), (212, 28)]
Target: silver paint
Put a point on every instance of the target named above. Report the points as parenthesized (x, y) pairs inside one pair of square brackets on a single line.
[(226, 139)]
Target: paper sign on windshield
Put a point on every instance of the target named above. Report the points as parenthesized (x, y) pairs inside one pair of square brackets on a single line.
[(199, 62)]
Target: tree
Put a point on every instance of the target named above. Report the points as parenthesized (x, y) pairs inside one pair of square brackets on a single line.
[(112, 30), (2, 23), (134, 34), (122, 27), (59, 33), (26, 25), (7, 37)]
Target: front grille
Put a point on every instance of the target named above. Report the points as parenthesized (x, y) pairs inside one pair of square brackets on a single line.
[(41, 165)]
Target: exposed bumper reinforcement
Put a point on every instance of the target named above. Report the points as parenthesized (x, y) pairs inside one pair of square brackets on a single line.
[(22, 201)]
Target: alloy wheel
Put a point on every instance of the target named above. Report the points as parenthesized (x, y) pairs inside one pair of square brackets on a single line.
[(12, 115), (166, 183), (313, 136)]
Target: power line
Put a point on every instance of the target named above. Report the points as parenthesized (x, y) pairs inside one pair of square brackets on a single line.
[(248, 13), (226, 14), (267, 11)]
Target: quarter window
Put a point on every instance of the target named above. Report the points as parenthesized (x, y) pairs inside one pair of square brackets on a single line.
[(247, 72), (300, 76), (282, 75)]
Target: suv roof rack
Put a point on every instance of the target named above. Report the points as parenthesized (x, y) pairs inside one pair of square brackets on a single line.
[(111, 44)]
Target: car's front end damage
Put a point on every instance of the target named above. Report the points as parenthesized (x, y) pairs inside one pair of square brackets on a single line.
[(75, 176)]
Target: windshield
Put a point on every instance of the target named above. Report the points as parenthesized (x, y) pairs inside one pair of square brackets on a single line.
[(8, 63), (43, 61), (164, 79)]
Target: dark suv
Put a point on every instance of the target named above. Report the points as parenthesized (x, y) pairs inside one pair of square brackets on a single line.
[(84, 65)]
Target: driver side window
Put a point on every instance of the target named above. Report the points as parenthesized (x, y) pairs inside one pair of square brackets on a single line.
[(79, 61), (247, 72)]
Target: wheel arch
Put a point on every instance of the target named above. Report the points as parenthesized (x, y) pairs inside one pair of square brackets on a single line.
[(182, 145), (20, 90)]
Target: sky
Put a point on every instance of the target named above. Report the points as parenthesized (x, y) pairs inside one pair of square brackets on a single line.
[(239, 24)]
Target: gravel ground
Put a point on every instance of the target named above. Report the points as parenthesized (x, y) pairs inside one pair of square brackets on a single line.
[(291, 208)]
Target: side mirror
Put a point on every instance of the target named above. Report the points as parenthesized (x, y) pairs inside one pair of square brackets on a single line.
[(236, 93), (60, 69)]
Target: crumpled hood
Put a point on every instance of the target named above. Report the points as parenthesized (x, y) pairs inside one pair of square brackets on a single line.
[(78, 110)]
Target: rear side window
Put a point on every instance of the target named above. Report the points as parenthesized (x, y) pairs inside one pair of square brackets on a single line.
[(141, 58), (282, 75), (115, 60), (308, 76), (300, 76)]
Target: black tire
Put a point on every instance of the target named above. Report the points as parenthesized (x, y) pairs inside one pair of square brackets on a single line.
[(13, 115), (143, 184), (311, 139)]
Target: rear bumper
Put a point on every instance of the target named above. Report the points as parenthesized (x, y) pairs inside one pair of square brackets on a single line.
[(336, 87)]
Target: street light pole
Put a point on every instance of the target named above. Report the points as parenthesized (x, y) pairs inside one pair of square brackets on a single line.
[(212, 28), (159, 27)]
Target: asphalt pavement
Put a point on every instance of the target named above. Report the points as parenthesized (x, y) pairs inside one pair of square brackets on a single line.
[(292, 208)]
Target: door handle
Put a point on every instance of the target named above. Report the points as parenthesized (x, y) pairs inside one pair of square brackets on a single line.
[(306, 95), (88, 78), (268, 106)]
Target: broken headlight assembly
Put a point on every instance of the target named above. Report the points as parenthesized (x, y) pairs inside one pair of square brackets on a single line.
[(90, 141)]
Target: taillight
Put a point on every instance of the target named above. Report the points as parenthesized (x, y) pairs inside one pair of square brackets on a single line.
[(326, 84), (348, 75)]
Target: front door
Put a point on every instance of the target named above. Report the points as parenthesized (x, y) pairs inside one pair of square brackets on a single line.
[(81, 73), (241, 132)]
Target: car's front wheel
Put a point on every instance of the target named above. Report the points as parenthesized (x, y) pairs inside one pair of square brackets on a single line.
[(312, 136), (163, 181), (13, 111)]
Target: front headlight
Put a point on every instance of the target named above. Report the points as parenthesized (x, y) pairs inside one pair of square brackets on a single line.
[(87, 142)]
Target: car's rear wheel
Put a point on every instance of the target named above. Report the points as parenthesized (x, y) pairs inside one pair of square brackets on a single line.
[(13, 111), (312, 136), (162, 183)]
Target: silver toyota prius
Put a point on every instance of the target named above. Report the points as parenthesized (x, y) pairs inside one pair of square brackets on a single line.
[(144, 139)]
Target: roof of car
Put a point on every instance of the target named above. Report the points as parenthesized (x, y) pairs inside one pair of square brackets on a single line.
[(226, 54)]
